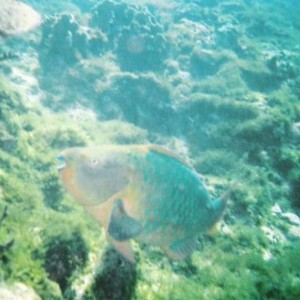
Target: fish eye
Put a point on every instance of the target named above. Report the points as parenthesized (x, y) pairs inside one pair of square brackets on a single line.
[(94, 161)]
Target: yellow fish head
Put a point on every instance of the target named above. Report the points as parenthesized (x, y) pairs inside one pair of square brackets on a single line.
[(92, 175)]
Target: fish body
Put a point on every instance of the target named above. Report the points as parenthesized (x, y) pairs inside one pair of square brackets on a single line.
[(141, 192)]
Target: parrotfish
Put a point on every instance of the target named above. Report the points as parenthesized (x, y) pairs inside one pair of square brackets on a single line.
[(141, 192)]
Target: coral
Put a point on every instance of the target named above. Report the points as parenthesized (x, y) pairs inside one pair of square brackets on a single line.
[(133, 32), (128, 98), (220, 30), (65, 42)]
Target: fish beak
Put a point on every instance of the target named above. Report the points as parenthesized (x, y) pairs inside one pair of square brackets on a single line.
[(62, 162)]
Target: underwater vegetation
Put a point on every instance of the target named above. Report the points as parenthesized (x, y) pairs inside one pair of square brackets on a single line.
[(217, 82)]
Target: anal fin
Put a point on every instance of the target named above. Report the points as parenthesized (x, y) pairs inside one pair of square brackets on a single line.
[(124, 248), (181, 249)]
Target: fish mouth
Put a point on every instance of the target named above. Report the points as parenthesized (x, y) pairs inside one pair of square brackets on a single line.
[(62, 162)]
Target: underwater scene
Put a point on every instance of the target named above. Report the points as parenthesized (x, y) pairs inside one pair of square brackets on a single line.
[(149, 149)]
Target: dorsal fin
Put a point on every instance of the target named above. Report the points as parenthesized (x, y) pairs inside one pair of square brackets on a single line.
[(220, 205), (165, 151)]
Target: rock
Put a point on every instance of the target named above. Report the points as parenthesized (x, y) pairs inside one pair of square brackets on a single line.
[(267, 255), (186, 34), (281, 64), (276, 209), (274, 235), (65, 41), (294, 231), (17, 291), (206, 62), (133, 32), (196, 12), (17, 18), (260, 79), (295, 130), (293, 218), (129, 98), (228, 36)]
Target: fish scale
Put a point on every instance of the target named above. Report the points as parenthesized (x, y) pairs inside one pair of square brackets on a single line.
[(141, 192), (169, 205)]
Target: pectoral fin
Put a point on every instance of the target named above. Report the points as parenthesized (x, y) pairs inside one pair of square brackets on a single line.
[(122, 227)]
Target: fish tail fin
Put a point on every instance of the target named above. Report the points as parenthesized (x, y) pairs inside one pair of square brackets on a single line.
[(225, 197), (219, 206)]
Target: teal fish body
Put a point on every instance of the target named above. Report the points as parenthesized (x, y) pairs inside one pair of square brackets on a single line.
[(174, 200), (142, 192)]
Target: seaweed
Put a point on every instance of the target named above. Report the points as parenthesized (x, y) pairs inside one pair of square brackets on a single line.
[(7, 246), (64, 255), (115, 278)]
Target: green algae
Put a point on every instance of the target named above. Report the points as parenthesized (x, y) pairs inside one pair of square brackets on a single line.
[(114, 278), (215, 162), (64, 254), (228, 273), (52, 190)]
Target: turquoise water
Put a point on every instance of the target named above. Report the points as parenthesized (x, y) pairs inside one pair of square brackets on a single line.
[(216, 82)]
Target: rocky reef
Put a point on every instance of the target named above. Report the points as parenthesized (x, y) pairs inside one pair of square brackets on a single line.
[(134, 34), (215, 81), (17, 18), (66, 42)]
